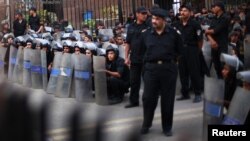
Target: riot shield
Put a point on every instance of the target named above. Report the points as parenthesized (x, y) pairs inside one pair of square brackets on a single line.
[(18, 69), (121, 49), (213, 103), (82, 77), (12, 62), (36, 70), (44, 69), (206, 49), (247, 53), (51, 88), (107, 32), (100, 80), (239, 108), (2, 62), (63, 86), (27, 67)]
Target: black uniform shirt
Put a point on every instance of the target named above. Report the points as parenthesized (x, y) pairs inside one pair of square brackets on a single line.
[(34, 22), (116, 65), (191, 33), (134, 35), (220, 27), (164, 47), (19, 27)]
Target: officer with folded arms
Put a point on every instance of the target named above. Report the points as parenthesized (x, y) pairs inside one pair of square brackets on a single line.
[(163, 45)]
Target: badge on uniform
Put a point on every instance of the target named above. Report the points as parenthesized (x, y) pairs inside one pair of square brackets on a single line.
[(198, 32), (144, 30)]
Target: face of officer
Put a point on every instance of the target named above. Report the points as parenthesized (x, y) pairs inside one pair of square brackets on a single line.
[(66, 49), (111, 55), (227, 71), (141, 16), (119, 40), (216, 10), (29, 45), (88, 53), (77, 50), (158, 22), (185, 13)]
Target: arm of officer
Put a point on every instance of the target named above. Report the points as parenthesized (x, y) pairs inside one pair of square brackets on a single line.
[(218, 28), (114, 74), (199, 34), (119, 68), (212, 42), (127, 51)]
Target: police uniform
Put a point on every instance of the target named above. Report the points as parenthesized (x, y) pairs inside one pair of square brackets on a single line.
[(189, 63), (136, 57), (160, 74), (220, 26), (116, 86)]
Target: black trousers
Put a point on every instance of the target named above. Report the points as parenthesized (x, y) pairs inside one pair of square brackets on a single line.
[(115, 87), (190, 69), (159, 80), (135, 82), (216, 60)]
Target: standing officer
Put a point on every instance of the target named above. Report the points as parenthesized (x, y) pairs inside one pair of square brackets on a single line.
[(136, 52), (218, 36), (163, 45), (189, 63)]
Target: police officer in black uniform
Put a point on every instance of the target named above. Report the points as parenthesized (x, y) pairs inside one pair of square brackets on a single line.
[(117, 75), (134, 53), (189, 63), (218, 36), (163, 45)]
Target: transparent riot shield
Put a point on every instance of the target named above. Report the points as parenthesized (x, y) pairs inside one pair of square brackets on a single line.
[(82, 77), (239, 108), (100, 79), (213, 103), (27, 67), (44, 69), (12, 62), (36, 70), (2, 62), (107, 32), (63, 86), (247, 53), (18, 69), (51, 88), (206, 49)]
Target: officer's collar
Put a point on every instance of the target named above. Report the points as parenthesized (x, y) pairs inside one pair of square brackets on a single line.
[(166, 29)]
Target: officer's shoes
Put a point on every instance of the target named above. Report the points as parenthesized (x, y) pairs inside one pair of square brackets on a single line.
[(131, 105), (197, 99), (183, 98), (144, 131), (168, 133)]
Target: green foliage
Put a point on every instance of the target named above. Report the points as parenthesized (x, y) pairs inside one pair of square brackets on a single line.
[(91, 23)]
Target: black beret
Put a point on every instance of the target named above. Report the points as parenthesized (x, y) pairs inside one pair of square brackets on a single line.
[(159, 12), (141, 9), (187, 7), (220, 4)]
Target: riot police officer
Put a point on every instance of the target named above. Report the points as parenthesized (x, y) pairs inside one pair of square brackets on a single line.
[(136, 52), (189, 63), (163, 45)]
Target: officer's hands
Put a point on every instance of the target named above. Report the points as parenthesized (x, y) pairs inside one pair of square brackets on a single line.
[(214, 45), (127, 62)]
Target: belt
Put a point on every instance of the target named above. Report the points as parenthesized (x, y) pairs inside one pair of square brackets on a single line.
[(159, 62)]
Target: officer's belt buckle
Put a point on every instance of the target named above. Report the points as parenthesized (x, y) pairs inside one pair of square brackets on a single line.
[(160, 62)]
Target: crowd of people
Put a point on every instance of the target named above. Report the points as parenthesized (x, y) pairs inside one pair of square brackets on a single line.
[(154, 45)]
